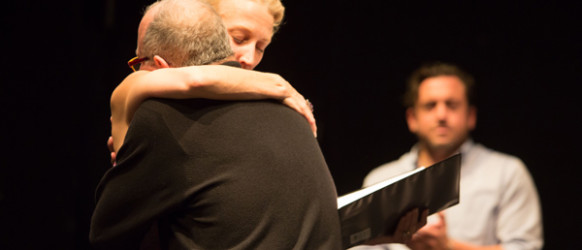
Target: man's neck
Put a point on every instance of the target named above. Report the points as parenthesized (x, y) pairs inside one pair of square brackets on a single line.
[(428, 156)]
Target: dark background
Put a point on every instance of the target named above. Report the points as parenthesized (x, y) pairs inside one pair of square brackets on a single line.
[(61, 60)]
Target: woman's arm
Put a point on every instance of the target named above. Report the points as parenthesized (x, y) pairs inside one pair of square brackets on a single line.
[(211, 82)]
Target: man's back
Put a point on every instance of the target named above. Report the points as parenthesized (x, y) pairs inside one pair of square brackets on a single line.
[(215, 174)]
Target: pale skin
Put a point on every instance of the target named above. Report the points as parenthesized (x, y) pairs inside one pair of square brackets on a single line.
[(434, 236), (250, 28), (442, 119), (186, 83)]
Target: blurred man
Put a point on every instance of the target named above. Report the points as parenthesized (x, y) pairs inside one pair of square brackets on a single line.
[(499, 205)]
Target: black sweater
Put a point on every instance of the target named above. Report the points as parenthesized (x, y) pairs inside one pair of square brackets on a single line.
[(217, 175)]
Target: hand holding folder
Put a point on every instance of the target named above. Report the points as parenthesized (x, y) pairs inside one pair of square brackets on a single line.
[(376, 210)]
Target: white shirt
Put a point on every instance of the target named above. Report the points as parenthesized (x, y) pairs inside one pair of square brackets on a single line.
[(499, 203)]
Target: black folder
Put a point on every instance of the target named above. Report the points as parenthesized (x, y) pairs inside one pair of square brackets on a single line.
[(375, 210)]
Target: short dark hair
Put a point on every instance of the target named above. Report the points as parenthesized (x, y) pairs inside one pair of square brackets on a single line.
[(434, 69)]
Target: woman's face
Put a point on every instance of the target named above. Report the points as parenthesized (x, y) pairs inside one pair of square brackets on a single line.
[(250, 26)]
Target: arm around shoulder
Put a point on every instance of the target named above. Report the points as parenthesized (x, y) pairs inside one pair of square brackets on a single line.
[(215, 82)]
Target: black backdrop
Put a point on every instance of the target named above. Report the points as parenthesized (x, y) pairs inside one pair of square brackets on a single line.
[(60, 62)]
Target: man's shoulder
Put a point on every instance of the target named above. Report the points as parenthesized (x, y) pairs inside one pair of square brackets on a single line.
[(405, 163), (493, 161), (157, 103), (201, 104), (261, 116), (484, 153), (172, 108)]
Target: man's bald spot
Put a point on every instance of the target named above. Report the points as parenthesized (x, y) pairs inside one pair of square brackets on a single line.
[(145, 22)]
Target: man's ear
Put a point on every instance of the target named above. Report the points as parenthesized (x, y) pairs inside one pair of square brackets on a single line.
[(160, 62), (472, 118), (411, 120)]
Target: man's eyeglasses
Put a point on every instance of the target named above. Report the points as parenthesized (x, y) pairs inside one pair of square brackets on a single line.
[(136, 61)]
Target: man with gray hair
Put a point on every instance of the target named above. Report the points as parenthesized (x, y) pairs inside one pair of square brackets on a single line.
[(183, 35), (204, 174)]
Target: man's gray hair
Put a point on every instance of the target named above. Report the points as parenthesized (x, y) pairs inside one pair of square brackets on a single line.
[(185, 33)]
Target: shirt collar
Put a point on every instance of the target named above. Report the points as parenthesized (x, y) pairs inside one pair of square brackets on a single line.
[(464, 149)]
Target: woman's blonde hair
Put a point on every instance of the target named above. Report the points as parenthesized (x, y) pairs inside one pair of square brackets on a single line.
[(275, 7)]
